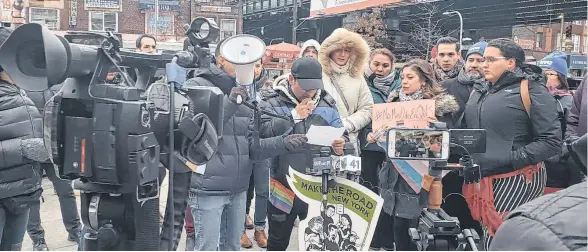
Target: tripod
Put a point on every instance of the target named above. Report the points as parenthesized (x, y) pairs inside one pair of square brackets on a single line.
[(434, 222)]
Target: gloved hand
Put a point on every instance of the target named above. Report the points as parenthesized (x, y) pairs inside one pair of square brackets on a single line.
[(238, 91), (34, 149), (295, 142)]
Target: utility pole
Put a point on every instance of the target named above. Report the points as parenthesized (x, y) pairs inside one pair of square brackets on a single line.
[(156, 17), (294, 21), (561, 33)]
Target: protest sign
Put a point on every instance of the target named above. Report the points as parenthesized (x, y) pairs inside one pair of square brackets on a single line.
[(411, 114), (351, 217)]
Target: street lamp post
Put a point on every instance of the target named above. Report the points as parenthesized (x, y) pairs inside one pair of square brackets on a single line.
[(447, 13)]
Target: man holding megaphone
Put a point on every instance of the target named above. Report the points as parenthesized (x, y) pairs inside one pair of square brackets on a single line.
[(21, 150), (218, 191)]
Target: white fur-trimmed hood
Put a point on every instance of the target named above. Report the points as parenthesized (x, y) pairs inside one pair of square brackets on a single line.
[(342, 38)]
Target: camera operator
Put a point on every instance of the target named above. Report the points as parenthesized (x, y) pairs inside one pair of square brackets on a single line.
[(63, 189), (302, 98), (21, 149), (512, 170), (218, 196), (401, 202)]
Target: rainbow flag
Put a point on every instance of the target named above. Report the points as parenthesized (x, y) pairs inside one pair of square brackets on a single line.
[(280, 196)]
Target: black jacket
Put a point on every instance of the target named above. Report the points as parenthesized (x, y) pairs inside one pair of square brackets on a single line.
[(553, 222), (19, 119), (513, 138), (230, 169), (461, 88), (280, 101)]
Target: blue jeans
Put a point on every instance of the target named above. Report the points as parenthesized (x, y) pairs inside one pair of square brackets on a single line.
[(218, 221), (12, 229), (260, 182)]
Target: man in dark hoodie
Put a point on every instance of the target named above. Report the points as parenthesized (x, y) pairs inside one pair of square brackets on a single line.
[(218, 191), (301, 98)]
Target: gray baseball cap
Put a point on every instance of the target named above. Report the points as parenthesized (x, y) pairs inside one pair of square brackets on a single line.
[(308, 72)]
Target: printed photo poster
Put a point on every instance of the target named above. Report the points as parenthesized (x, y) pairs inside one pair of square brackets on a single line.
[(351, 217), (19, 11)]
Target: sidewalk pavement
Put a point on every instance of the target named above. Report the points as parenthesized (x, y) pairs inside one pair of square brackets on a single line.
[(56, 235)]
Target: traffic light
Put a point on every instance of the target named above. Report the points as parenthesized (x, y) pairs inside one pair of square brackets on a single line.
[(569, 31)]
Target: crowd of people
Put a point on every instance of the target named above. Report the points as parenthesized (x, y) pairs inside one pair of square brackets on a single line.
[(528, 113)]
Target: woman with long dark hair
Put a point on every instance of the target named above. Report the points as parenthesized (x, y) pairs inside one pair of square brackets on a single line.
[(400, 201)]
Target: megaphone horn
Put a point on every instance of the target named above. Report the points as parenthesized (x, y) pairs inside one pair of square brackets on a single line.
[(243, 51)]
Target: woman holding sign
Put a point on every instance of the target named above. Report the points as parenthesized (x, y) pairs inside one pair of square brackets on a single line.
[(400, 200)]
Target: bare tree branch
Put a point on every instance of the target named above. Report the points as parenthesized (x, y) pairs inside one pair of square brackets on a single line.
[(371, 26), (424, 30)]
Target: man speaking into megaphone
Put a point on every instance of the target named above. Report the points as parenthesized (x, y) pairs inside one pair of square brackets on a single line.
[(218, 191), (21, 150)]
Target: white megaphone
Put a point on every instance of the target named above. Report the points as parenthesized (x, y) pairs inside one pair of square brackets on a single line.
[(243, 51)]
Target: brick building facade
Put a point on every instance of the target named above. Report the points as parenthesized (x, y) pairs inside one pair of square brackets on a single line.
[(134, 16)]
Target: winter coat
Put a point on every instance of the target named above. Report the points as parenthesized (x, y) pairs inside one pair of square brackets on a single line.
[(281, 101), (399, 198), (229, 171), (553, 222), (378, 97), (561, 170), (461, 88), (577, 119), (350, 81), (19, 119), (514, 139)]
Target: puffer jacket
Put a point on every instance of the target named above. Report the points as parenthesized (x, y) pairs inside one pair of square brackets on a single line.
[(378, 97), (349, 79), (513, 138), (553, 222), (399, 198), (578, 118), (40, 98), (281, 101), (230, 169), (19, 119)]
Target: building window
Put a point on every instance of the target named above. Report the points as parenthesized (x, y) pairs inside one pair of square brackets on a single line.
[(265, 4), (46, 17), (274, 4), (281, 2), (576, 43), (165, 24), (577, 22), (558, 42), (249, 7), (539, 41), (258, 5), (103, 21), (228, 28), (289, 2), (585, 45)]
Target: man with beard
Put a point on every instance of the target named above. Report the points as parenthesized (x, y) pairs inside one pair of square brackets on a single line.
[(461, 86), (448, 62)]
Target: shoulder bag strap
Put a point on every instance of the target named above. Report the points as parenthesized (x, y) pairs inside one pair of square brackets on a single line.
[(336, 85), (525, 96)]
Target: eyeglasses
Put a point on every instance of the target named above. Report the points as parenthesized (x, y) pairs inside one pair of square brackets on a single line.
[(492, 59)]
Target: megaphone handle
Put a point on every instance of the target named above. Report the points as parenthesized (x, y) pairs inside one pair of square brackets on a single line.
[(239, 99)]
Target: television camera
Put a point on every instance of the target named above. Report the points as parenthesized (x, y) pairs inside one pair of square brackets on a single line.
[(434, 223), (109, 138)]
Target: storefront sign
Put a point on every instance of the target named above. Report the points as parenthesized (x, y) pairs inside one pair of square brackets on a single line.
[(14, 11), (208, 8), (55, 4), (102, 4), (164, 5), (73, 16)]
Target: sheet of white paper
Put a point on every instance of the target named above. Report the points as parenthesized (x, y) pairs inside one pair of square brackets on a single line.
[(201, 169), (323, 135)]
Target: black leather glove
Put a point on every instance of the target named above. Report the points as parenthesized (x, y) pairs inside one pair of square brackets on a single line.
[(295, 142), (238, 91)]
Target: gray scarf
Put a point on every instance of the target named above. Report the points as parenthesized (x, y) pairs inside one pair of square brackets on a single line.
[(418, 95), (384, 84), (441, 75), (465, 79)]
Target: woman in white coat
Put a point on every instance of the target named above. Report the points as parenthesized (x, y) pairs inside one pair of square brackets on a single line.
[(343, 56)]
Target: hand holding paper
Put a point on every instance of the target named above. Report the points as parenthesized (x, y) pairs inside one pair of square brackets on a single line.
[(323, 135)]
